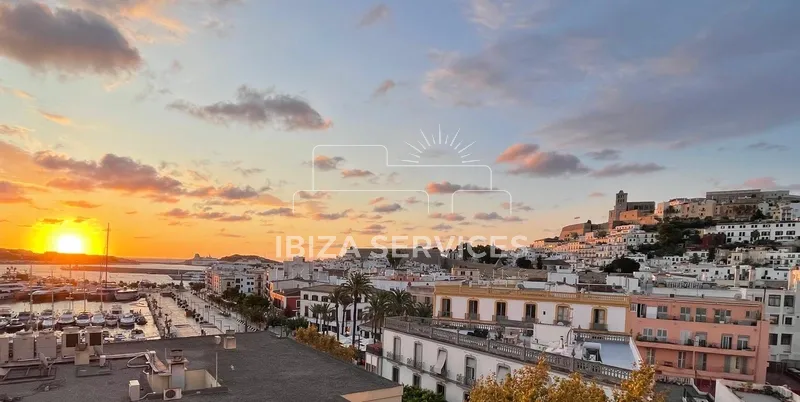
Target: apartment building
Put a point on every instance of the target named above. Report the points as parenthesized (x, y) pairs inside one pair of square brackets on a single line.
[(479, 331), (733, 195), (320, 294), (746, 232), (705, 338), (222, 277)]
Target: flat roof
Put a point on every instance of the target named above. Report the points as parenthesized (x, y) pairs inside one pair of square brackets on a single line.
[(261, 368)]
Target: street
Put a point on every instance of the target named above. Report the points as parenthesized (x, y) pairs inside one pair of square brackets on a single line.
[(213, 315)]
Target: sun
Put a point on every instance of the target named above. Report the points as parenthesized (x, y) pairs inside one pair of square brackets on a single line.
[(69, 244)]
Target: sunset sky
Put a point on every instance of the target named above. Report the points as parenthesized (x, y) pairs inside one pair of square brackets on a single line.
[(190, 125)]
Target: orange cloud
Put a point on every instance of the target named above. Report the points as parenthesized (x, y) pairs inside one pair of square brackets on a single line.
[(56, 118), (80, 204)]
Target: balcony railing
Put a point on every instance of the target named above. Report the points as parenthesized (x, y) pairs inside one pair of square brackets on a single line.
[(563, 322), (472, 316), (464, 380), (715, 320), (498, 317), (417, 364), (445, 374), (599, 326), (691, 342), (394, 357), (532, 320), (445, 314), (443, 331)]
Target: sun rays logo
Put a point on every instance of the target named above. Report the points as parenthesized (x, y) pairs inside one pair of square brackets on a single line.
[(429, 143), (420, 148)]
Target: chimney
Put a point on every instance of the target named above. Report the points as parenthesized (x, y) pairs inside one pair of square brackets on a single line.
[(230, 340), (177, 369)]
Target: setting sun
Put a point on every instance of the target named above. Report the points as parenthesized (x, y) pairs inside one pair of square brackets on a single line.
[(69, 244)]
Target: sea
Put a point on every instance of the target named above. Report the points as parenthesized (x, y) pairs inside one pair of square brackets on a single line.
[(47, 270)]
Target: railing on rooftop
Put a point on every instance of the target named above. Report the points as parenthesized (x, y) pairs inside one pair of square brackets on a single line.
[(535, 294), (442, 330), (691, 342)]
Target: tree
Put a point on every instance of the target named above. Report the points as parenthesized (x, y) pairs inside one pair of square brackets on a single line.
[(754, 235), (197, 286), (533, 383), (400, 302), (694, 259), (523, 262), (317, 312), (380, 305), (357, 286), (394, 260), (712, 254), (539, 262), (423, 310), (414, 394), (601, 234), (622, 265), (758, 215), (337, 297)]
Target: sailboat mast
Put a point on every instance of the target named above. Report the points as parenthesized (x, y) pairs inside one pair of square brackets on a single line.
[(105, 283)]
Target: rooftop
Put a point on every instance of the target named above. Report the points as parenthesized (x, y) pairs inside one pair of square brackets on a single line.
[(261, 368), (735, 391), (320, 288)]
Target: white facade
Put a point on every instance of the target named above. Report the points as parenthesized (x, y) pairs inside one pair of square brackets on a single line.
[(222, 277), (786, 231), (319, 295)]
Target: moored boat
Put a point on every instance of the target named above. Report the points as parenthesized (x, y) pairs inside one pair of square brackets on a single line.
[(98, 319), (126, 294), (83, 319), (15, 325), (127, 320), (137, 335), (65, 320), (47, 320), (112, 320)]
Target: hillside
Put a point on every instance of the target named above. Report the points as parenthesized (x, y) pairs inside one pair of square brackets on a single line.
[(236, 257), (29, 257)]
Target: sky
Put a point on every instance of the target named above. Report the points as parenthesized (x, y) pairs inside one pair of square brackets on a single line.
[(226, 126)]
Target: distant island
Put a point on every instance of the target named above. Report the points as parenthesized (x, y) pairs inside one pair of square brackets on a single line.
[(207, 261), (10, 256)]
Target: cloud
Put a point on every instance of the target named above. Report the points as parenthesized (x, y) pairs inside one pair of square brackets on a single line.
[(11, 193), (282, 211), (51, 221), (492, 216), (355, 173), (445, 187), (518, 206), (15, 131), (80, 204), (623, 169), (373, 229), (411, 200), (325, 163), (56, 118), (71, 41), (376, 200), (177, 213), (217, 26), (330, 217), (387, 208), (249, 172), (452, 217), (22, 94), (131, 212), (71, 184), (258, 108), (222, 232), (384, 88), (604, 155), (441, 227), (81, 219), (375, 14), (765, 146), (498, 14), (318, 195), (528, 160), (596, 194), (769, 183), (231, 192), (235, 218)]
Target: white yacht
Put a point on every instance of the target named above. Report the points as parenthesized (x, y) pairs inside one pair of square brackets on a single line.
[(67, 319), (127, 320), (47, 320), (116, 309), (83, 319), (203, 261), (98, 319), (126, 294), (112, 320), (6, 313)]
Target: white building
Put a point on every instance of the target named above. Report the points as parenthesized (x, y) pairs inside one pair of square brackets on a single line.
[(221, 277), (319, 294), (447, 354), (784, 231)]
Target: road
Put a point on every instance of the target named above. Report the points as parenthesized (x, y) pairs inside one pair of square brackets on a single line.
[(213, 315)]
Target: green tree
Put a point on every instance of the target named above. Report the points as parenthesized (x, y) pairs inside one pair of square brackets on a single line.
[(758, 215), (380, 307), (754, 235), (601, 234), (712, 253), (694, 259), (338, 297), (622, 265), (423, 310), (523, 262), (394, 259), (414, 394), (539, 262), (357, 286), (400, 302), (197, 286)]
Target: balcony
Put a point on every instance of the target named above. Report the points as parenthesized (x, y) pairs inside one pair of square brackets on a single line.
[(445, 314), (689, 345), (415, 364), (562, 322), (445, 331), (597, 326), (464, 380), (498, 317), (531, 320), (472, 316), (394, 357), (445, 374)]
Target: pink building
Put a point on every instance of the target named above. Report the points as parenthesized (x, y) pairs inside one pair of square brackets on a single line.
[(704, 338)]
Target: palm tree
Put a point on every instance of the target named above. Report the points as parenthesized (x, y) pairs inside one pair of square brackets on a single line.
[(357, 285), (328, 312), (345, 302), (400, 302), (423, 310), (340, 298), (316, 312), (379, 308)]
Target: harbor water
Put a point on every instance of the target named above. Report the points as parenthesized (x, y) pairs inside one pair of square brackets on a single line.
[(56, 271)]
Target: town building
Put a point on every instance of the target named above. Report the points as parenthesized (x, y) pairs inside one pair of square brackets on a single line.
[(480, 331), (729, 196), (705, 338), (221, 277), (749, 232), (320, 294), (621, 205), (738, 391)]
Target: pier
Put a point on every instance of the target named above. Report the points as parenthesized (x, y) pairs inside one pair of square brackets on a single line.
[(174, 273)]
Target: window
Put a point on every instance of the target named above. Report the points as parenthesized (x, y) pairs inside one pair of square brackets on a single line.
[(315, 298), (395, 374), (441, 362), (700, 315), (530, 312), (469, 370), (686, 313), (396, 349), (647, 333), (445, 308), (788, 301), (417, 355), (662, 312), (722, 316), (774, 300), (727, 366), (701, 361), (502, 372), (562, 314), (661, 335), (787, 320), (416, 380), (773, 339), (500, 309), (681, 359), (306, 314), (774, 319), (472, 309), (786, 339), (297, 304), (440, 389), (743, 342), (324, 298), (727, 341), (752, 314), (305, 297), (650, 356)]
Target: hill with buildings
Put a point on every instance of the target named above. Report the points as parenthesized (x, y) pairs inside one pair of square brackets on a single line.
[(29, 257)]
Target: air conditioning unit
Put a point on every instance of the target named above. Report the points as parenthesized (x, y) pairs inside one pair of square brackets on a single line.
[(172, 394), (592, 358)]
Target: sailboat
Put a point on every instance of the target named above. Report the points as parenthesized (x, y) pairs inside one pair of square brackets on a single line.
[(106, 291)]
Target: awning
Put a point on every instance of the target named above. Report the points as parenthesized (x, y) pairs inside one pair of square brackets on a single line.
[(440, 361)]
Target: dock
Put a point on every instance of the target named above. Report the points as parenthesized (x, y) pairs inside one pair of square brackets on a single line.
[(174, 273)]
